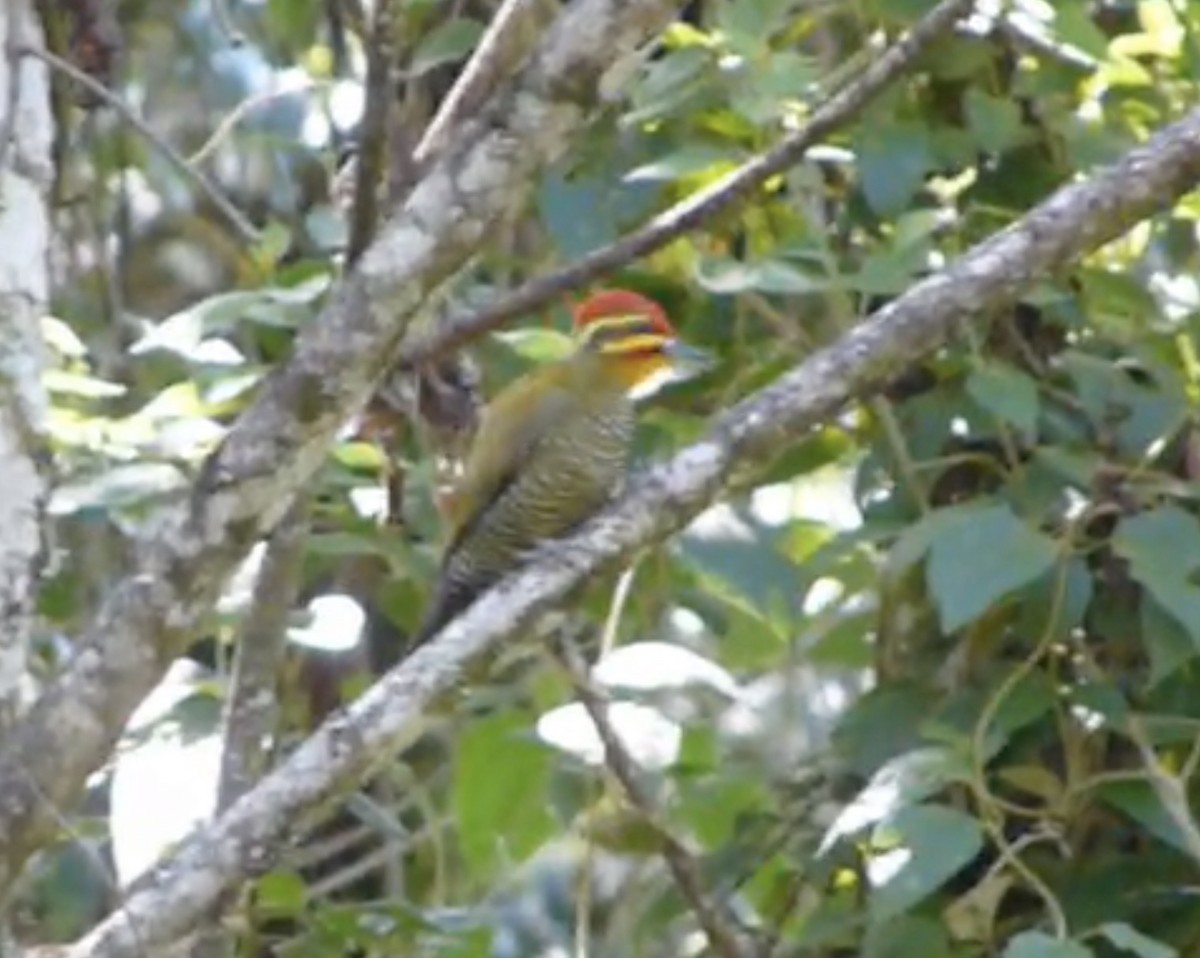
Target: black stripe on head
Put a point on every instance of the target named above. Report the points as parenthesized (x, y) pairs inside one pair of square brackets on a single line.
[(603, 334)]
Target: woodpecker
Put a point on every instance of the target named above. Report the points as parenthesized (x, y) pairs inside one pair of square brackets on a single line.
[(553, 447)]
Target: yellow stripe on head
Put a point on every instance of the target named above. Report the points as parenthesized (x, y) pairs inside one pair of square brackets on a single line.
[(618, 335), (611, 307)]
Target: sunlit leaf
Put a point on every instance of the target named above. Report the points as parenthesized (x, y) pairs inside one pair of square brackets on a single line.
[(1129, 939), (1037, 944), (500, 806), (933, 844), (650, 738)]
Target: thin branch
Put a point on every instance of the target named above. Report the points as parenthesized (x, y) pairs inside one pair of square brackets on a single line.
[(391, 714), (841, 107), (1023, 36), (1172, 791), (616, 609), (250, 725), (714, 916), (511, 34), (252, 709), (1171, 788), (373, 135), (244, 228), (242, 110)]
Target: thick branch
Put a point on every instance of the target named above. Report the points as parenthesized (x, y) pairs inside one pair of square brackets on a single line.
[(25, 177), (277, 444), (388, 716)]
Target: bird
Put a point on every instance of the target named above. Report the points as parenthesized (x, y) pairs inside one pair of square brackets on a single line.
[(554, 446)]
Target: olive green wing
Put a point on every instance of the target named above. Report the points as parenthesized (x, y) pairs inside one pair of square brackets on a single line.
[(512, 426)]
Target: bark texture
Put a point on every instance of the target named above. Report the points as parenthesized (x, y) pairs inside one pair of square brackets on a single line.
[(25, 177)]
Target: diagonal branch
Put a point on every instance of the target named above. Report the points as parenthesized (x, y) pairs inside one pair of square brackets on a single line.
[(281, 439), (242, 226), (725, 935), (510, 36), (1073, 221), (688, 214)]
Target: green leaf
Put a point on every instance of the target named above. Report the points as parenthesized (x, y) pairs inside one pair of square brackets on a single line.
[(537, 345), (984, 554), (1037, 944), (749, 24), (938, 842), (281, 893), (882, 724), (500, 781), (893, 164), (1007, 393), (902, 782), (1128, 938), (1073, 24), (738, 561), (1163, 550), (123, 485), (685, 161), (670, 83), (583, 212), (728, 277), (1167, 640), (78, 384), (1139, 801), (446, 43), (995, 123), (906, 936)]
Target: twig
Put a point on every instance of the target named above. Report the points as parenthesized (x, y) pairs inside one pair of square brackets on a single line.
[(842, 106), (511, 35), (250, 723), (718, 922), (224, 22), (1171, 789), (252, 710), (373, 136), (608, 638), (243, 109), (244, 228), (1024, 37)]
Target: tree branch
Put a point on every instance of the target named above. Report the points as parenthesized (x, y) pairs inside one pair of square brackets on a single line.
[(389, 716), (279, 441), (721, 927), (373, 132), (511, 35), (242, 226), (252, 709), (690, 213)]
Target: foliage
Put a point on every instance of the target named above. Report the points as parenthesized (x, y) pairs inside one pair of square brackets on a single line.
[(924, 688)]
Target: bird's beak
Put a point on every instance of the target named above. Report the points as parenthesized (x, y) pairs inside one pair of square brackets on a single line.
[(687, 360)]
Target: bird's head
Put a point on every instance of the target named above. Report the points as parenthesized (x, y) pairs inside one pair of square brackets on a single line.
[(634, 341)]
